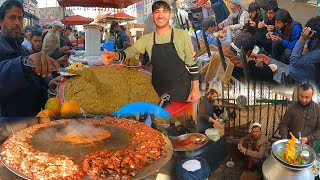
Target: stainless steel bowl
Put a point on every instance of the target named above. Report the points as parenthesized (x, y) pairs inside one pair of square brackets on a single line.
[(279, 147), (190, 152)]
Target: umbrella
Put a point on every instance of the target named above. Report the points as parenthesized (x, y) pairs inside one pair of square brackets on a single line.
[(97, 3), (46, 21), (121, 16), (138, 108), (76, 20)]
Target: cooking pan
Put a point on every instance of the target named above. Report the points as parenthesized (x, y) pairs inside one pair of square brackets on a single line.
[(189, 152)]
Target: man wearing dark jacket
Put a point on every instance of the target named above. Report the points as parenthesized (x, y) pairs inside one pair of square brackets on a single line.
[(23, 89), (207, 116), (303, 116), (285, 37)]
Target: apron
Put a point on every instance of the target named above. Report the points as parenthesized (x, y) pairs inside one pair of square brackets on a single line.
[(169, 74)]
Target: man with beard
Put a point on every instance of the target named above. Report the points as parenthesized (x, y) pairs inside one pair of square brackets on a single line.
[(170, 50), (254, 147), (208, 119), (121, 37), (265, 26), (23, 89), (236, 20), (285, 37), (51, 42), (36, 45), (303, 116)]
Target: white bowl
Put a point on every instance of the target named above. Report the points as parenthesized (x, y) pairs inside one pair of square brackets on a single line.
[(273, 67)]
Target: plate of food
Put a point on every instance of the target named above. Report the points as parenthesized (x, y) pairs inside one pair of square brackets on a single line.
[(273, 67), (66, 74), (72, 69), (131, 63), (219, 33)]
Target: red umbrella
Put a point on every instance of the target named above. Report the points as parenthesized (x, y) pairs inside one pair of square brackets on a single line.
[(97, 3), (121, 16), (76, 20), (46, 21)]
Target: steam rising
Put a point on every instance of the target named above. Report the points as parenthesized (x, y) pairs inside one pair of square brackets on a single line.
[(80, 130)]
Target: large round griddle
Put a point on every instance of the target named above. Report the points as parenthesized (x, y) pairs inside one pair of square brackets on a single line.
[(45, 142)]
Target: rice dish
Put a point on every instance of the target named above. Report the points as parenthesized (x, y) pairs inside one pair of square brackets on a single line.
[(122, 86)]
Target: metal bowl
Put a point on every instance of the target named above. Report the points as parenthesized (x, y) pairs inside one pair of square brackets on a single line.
[(280, 146), (190, 152)]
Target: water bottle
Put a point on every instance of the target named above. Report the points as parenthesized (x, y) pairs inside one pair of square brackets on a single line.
[(318, 5)]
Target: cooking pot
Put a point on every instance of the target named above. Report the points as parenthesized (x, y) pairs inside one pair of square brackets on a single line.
[(184, 152), (275, 167)]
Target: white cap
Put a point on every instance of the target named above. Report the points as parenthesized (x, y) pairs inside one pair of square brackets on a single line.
[(237, 2), (57, 23), (254, 124)]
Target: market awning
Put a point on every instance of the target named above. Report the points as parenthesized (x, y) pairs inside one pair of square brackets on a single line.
[(121, 16), (97, 3), (46, 21), (76, 20)]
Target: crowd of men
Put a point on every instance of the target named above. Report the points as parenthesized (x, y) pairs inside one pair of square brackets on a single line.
[(275, 32)]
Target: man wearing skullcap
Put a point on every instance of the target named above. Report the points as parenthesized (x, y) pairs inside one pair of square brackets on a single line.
[(51, 42), (254, 147), (236, 19)]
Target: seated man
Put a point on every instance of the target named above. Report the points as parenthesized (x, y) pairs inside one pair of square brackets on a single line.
[(254, 146), (303, 116), (285, 37), (232, 51), (265, 26), (305, 57), (256, 14), (236, 19), (208, 26), (208, 118)]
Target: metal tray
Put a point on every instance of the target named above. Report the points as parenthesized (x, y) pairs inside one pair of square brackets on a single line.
[(118, 140), (280, 146), (185, 136)]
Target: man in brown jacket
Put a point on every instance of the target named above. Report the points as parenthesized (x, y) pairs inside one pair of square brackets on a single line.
[(254, 147), (232, 51), (303, 116)]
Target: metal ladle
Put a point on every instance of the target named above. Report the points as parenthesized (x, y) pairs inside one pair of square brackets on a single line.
[(304, 154)]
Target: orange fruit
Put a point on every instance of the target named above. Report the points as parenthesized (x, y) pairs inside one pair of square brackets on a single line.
[(45, 113), (54, 105), (70, 109)]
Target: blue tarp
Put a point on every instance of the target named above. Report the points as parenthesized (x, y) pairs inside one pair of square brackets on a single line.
[(137, 108)]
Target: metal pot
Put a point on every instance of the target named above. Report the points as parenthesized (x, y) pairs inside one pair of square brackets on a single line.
[(275, 167), (189, 152)]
